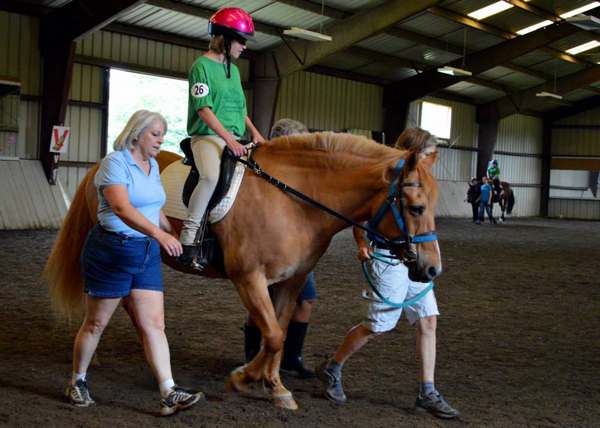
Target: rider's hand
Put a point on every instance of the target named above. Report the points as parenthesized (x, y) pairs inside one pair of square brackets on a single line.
[(364, 253), (168, 243), (257, 139), (236, 148)]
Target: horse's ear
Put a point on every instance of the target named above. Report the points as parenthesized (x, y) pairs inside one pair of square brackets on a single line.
[(430, 160), (411, 161)]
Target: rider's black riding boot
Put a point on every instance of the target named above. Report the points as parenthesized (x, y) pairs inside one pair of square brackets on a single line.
[(252, 340), (292, 351), (187, 257)]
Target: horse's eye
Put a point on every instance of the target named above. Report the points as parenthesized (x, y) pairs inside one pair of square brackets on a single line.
[(417, 210)]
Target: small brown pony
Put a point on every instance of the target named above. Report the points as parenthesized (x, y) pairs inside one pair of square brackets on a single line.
[(273, 238)]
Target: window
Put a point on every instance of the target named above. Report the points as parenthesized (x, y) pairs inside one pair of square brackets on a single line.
[(436, 118), (130, 92)]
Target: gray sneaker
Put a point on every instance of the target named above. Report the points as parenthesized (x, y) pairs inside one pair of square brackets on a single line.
[(436, 405), (79, 394), (332, 384), (179, 399)]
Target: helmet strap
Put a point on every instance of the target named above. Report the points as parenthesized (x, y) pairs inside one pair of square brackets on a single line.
[(227, 41)]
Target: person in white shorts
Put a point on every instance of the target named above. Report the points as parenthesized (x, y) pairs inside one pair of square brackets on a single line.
[(393, 283)]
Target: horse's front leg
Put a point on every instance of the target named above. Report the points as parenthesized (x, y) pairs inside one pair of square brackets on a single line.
[(284, 302), (252, 289)]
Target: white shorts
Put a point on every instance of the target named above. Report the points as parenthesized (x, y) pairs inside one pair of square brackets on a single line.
[(393, 284)]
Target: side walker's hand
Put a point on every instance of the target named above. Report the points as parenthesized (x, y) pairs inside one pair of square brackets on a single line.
[(237, 148), (168, 243), (364, 253)]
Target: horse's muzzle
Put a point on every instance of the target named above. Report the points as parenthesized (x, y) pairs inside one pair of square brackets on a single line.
[(420, 273)]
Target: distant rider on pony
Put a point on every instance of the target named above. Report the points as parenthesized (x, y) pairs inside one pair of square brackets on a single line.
[(493, 173)]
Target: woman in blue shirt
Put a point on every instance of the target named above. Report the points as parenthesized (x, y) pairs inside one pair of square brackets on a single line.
[(121, 259)]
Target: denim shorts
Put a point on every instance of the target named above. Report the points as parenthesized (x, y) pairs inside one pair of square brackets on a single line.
[(309, 291), (114, 264)]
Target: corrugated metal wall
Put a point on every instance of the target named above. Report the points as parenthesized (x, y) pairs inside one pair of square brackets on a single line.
[(330, 103), (20, 59), (583, 141)]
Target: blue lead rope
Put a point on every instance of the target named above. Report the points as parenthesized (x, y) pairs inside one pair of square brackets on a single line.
[(381, 258)]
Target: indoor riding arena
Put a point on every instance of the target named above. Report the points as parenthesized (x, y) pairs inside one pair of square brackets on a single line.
[(518, 83)]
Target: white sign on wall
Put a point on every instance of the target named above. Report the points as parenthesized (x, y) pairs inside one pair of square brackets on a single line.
[(60, 139)]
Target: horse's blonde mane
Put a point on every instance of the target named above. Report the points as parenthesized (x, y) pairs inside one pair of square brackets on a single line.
[(383, 157), (335, 142)]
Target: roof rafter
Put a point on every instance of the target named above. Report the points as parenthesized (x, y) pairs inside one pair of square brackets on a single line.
[(579, 107), (453, 16), (75, 20), (527, 99), (344, 34), (418, 86)]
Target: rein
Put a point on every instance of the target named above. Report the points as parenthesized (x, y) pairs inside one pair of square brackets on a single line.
[(382, 258), (400, 216), (253, 165), (394, 245)]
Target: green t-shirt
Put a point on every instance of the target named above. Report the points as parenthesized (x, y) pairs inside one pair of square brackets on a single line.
[(210, 87), (493, 171)]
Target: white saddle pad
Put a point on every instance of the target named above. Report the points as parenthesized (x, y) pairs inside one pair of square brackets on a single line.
[(173, 178)]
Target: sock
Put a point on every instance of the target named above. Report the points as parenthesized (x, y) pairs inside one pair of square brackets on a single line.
[(334, 368), (77, 376), (427, 388), (166, 387)]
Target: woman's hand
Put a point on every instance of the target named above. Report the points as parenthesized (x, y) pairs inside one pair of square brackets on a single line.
[(236, 148), (169, 243), (364, 253)]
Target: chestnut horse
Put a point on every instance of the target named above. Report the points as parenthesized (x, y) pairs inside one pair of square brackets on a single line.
[(270, 237)]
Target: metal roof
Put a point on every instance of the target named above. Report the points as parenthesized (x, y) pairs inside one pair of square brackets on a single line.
[(435, 38)]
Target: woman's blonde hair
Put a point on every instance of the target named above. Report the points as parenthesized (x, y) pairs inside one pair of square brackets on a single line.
[(139, 121), (217, 44), (415, 139)]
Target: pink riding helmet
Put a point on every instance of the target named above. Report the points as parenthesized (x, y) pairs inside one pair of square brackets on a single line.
[(231, 23)]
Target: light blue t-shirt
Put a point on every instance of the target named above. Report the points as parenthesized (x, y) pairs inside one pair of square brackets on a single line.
[(145, 192), (485, 192)]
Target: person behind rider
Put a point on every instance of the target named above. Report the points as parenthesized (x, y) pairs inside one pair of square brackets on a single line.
[(493, 173), (393, 282), (217, 115), (484, 201)]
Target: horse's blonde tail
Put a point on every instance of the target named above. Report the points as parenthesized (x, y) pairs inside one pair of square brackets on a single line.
[(63, 273)]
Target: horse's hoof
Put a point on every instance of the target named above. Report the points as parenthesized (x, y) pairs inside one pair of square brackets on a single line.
[(236, 381), (285, 401)]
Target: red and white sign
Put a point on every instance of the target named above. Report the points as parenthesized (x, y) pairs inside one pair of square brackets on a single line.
[(60, 139)]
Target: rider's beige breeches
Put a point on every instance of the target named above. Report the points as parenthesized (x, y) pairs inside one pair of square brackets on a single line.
[(207, 151)]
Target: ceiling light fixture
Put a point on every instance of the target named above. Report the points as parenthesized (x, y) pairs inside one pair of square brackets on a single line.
[(490, 10), (582, 48), (582, 9), (453, 71), (545, 94), (590, 23), (301, 33), (533, 27)]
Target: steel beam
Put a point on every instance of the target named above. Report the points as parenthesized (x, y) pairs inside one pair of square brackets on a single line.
[(527, 99), (420, 85)]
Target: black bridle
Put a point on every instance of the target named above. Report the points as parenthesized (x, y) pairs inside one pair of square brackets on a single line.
[(394, 245)]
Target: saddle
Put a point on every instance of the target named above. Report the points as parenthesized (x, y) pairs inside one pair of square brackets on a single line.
[(209, 247)]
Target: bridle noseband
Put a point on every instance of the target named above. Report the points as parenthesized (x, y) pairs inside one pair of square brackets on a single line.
[(404, 241)]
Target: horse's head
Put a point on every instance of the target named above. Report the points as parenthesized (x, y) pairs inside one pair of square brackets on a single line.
[(412, 223)]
